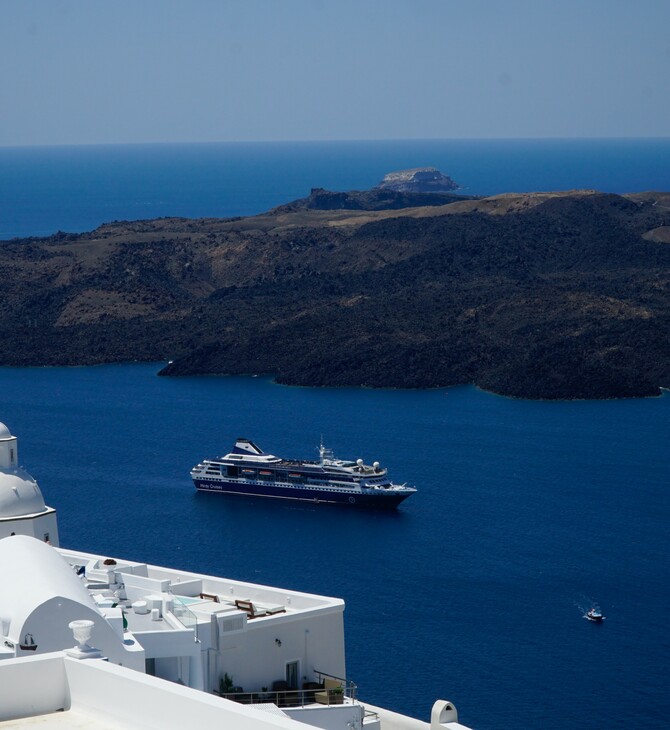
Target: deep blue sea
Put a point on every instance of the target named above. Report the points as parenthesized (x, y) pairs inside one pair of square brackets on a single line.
[(74, 189), (527, 512)]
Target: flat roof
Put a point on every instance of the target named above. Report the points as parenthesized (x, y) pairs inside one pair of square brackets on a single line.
[(68, 719), (211, 593)]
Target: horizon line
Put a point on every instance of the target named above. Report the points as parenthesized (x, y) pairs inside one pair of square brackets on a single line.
[(335, 141)]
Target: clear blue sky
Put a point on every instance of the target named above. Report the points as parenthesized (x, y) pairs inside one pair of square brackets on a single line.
[(107, 71)]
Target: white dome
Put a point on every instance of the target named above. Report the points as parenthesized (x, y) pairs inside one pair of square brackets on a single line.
[(34, 575), (19, 494), (4, 432)]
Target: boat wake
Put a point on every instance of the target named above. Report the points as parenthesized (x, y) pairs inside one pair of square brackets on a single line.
[(590, 610)]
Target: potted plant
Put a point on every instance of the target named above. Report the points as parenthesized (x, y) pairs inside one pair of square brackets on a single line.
[(336, 696), (225, 684)]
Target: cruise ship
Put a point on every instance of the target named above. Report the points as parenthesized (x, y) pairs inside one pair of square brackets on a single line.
[(106, 643), (248, 470)]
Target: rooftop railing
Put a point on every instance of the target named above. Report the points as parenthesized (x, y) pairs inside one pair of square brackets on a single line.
[(328, 690), (348, 687), (184, 614)]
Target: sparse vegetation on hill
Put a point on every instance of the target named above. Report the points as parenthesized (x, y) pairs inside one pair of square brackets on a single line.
[(542, 296)]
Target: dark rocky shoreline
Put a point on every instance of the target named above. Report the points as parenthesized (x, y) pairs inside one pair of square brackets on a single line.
[(535, 296)]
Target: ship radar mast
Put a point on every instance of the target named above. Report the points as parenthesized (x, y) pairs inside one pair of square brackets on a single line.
[(325, 455)]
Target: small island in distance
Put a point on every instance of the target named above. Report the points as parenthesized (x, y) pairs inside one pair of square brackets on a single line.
[(418, 180), (536, 295), (417, 187)]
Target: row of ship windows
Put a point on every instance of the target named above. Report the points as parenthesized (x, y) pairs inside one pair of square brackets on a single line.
[(274, 476), (327, 488), (290, 482)]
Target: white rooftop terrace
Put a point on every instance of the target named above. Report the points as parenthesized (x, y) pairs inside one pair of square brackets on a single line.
[(203, 592), (199, 628)]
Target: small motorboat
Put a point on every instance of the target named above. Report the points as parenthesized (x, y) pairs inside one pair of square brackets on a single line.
[(594, 614)]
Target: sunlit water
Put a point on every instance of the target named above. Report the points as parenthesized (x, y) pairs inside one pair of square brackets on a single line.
[(474, 590)]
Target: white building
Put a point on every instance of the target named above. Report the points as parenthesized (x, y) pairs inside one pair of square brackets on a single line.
[(22, 508), (278, 654)]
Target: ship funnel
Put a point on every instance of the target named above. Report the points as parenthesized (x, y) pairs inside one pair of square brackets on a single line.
[(244, 446)]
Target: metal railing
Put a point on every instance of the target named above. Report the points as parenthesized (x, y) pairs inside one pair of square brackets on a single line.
[(281, 698), (350, 689), (369, 713), (311, 693)]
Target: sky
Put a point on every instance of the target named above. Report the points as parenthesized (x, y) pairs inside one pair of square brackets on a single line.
[(131, 71)]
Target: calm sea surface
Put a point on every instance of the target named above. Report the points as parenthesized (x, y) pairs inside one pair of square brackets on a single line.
[(474, 590), (46, 189), (527, 514)]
